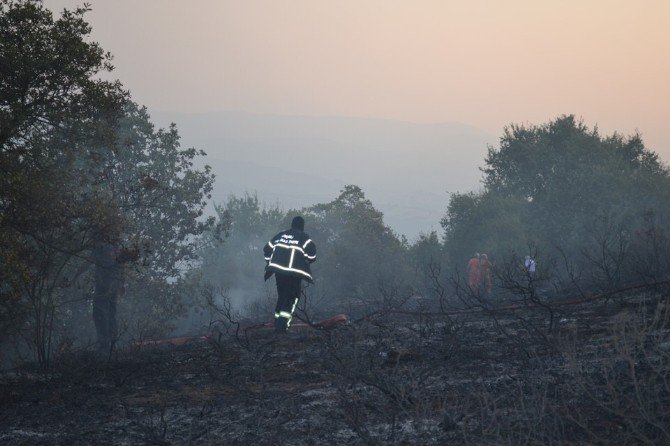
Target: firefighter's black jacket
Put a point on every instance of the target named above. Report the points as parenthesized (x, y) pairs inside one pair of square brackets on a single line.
[(290, 252)]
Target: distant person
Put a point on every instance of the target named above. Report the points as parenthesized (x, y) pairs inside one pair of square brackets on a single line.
[(474, 275), (109, 286), (530, 265), (486, 279), (108, 259), (288, 256)]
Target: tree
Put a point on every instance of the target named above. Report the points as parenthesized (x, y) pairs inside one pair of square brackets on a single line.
[(50, 103), (564, 189), (569, 174), (158, 194), (536, 161), (47, 74), (486, 223), (77, 159), (428, 259), (157, 190), (358, 254)]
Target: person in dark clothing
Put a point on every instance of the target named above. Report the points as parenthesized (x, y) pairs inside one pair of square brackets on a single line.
[(109, 283), (288, 256), (108, 259)]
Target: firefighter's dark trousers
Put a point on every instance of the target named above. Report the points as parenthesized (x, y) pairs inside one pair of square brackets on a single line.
[(288, 291), (104, 317)]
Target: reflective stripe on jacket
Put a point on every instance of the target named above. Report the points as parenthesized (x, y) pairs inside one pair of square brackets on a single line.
[(290, 252)]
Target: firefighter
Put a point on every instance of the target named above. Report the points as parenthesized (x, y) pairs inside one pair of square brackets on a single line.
[(473, 273), (288, 256)]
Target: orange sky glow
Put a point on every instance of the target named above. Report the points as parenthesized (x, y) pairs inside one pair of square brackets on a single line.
[(484, 63)]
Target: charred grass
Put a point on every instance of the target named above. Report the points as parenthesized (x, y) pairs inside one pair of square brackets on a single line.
[(600, 375)]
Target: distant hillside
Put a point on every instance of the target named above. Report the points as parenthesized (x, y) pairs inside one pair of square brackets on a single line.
[(406, 169)]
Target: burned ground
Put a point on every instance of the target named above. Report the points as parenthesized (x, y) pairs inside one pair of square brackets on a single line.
[(601, 374)]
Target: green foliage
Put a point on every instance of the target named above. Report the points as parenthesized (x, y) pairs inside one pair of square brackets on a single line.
[(47, 70), (487, 223), (50, 105), (427, 258), (153, 184), (427, 249), (559, 187), (80, 162), (358, 253)]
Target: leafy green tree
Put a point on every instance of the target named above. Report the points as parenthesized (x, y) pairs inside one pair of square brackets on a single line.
[(485, 223), (359, 256), (77, 159), (569, 174), (151, 184), (536, 161), (50, 102), (157, 190), (428, 259), (564, 189), (48, 74)]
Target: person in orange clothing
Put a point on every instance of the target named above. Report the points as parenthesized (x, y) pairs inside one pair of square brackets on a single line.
[(474, 277), (486, 279)]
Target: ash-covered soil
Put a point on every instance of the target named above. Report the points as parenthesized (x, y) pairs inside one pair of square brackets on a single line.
[(596, 373)]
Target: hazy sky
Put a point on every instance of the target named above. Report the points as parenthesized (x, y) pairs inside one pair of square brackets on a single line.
[(485, 63)]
